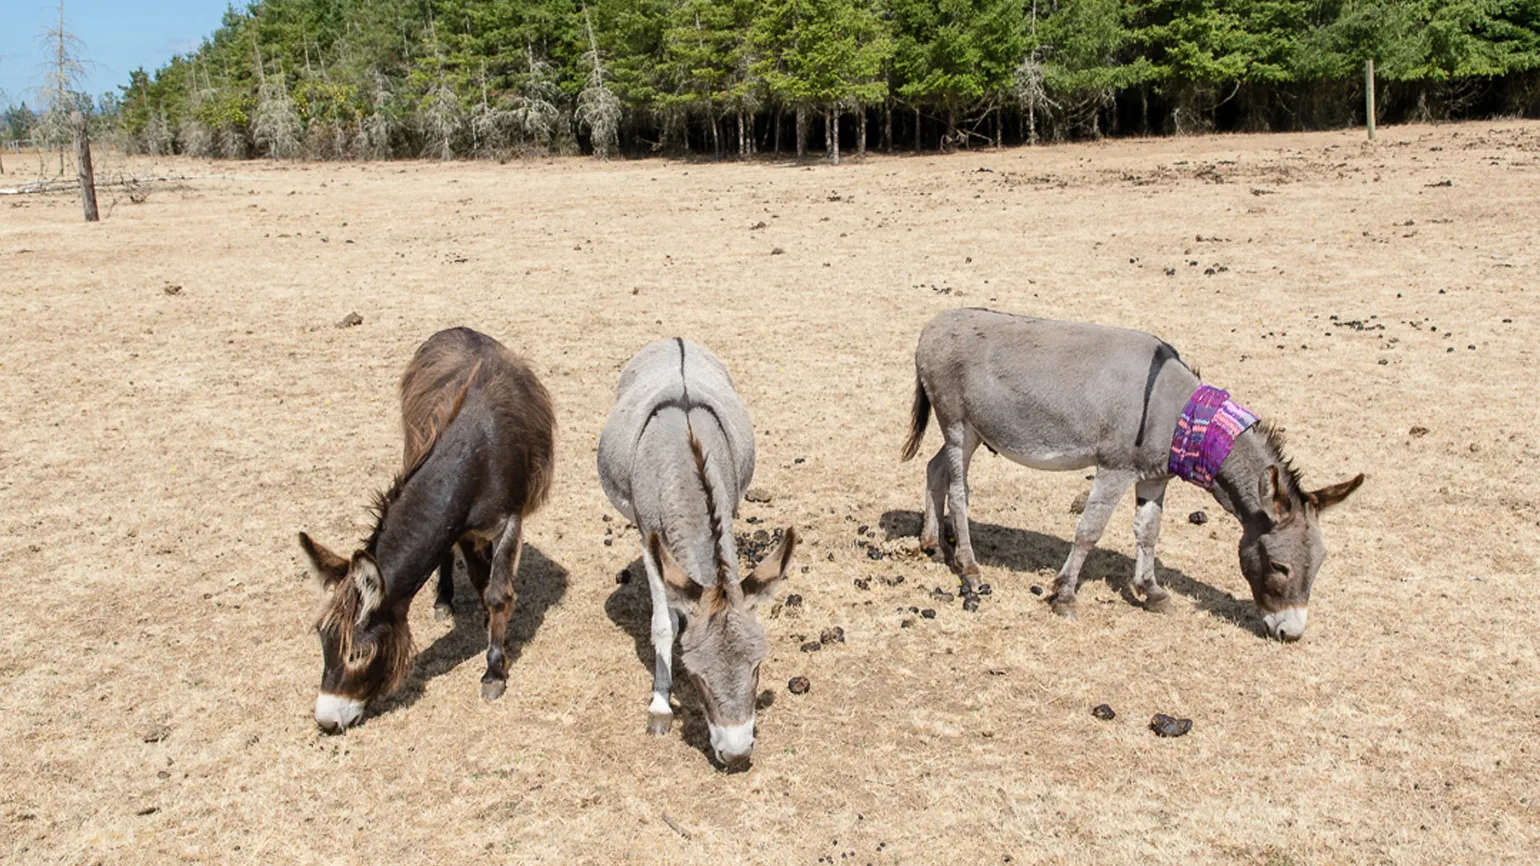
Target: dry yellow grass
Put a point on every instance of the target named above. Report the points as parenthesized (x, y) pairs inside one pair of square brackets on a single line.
[(160, 451)]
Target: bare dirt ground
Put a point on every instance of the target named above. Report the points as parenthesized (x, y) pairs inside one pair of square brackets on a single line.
[(178, 404)]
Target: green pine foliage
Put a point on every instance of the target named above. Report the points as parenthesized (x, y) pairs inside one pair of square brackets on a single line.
[(341, 79)]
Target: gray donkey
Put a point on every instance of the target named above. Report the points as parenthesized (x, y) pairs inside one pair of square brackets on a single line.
[(675, 458), (1068, 395)]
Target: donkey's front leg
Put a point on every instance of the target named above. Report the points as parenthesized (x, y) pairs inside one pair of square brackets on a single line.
[(1151, 497), (937, 478), (665, 624), (499, 599), (1106, 490)]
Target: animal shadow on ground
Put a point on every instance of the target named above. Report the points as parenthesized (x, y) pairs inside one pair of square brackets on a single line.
[(539, 585), (630, 608), (1028, 551)]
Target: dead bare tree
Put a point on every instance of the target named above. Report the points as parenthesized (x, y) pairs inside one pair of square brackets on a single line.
[(61, 77), (598, 108)]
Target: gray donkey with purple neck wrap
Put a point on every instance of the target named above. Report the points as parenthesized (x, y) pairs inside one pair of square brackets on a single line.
[(1068, 395), (675, 457)]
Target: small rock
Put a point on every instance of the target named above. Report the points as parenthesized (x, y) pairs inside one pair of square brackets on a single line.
[(761, 536), (777, 252), (907, 623), (350, 320), (812, 646), (1035, 589), (941, 595), (155, 733), (765, 700), (798, 685), (862, 583), (757, 494), (986, 589), (147, 810), (1103, 712), (1167, 726), (893, 581), (1197, 518), (874, 553), (793, 600), (928, 613), (970, 602), (832, 635), (1078, 506), (1417, 431), (172, 289)]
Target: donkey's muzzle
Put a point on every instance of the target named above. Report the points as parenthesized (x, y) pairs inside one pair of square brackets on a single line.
[(335, 714), (1287, 625), (733, 744)]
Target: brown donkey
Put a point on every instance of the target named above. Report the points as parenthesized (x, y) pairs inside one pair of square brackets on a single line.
[(479, 437)]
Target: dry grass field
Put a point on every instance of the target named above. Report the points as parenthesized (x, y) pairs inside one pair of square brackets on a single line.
[(178, 403)]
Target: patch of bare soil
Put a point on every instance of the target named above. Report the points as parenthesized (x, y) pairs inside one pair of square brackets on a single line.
[(162, 448)]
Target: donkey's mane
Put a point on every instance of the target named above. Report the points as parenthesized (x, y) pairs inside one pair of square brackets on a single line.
[(713, 515), (1272, 437), (425, 415)]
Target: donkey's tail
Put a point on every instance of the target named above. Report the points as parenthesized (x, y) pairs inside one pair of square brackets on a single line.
[(919, 418)]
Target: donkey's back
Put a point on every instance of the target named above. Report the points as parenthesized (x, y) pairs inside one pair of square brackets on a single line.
[(670, 383), (1051, 394), (464, 377)]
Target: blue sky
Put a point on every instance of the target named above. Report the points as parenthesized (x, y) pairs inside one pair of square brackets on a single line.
[(119, 36)]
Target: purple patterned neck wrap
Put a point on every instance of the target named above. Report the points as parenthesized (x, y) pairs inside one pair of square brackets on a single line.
[(1205, 433)]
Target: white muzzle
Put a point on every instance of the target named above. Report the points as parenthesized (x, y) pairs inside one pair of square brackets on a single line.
[(733, 744), (336, 714), (1287, 624)]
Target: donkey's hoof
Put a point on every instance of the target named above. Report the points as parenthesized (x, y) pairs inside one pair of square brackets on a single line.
[(1158, 604), (1064, 609), (442, 612), (659, 723), (491, 690)]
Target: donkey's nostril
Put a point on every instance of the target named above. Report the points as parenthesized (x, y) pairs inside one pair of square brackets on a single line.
[(736, 761)]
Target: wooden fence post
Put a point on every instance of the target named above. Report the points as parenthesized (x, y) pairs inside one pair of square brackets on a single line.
[(1369, 96), (83, 164)]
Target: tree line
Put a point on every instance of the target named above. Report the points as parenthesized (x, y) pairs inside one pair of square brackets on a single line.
[(336, 79)]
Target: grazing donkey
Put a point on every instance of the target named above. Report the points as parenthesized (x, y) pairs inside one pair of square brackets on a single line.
[(675, 458), (479, 435), (1067, 395)]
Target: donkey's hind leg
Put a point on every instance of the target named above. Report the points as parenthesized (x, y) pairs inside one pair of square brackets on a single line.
[(937, 478), (499, 601), (1106, 490), (665, 624), (1151, 497), (444, 601), (961, 442)]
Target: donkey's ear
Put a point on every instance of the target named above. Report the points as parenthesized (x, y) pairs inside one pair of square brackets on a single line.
[(371, 587), (1275, 494), (760, 585), (1326, 497), (328, 567), (681, 590)]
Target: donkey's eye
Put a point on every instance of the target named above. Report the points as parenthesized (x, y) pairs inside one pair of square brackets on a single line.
[(1280, 569)]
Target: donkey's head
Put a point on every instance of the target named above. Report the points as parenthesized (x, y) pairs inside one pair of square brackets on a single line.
[(1282, 549), (724, 643), (365, 644)]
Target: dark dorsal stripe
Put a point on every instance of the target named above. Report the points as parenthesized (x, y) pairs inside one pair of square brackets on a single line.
[(686, 405), (1163, 354)]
